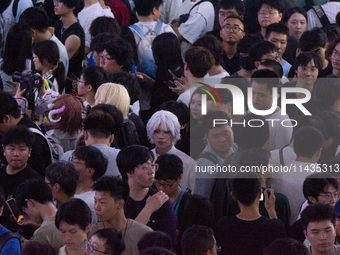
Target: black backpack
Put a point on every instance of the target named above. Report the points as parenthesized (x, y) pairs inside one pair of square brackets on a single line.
[(5, 238), (327, 27)]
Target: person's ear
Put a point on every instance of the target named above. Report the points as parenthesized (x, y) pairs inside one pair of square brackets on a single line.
[(312, 199), (121, 204), (86, 135), (1, 210), (112, 137), (280, 16), (30, 151), (89, 88), (179, 178), (233, 196), (305, 233), (257, 64), (90, 171), (87, 229)]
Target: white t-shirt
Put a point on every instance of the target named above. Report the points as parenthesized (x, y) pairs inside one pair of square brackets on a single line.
[(331, 9), (200, 21), (10, 21), (169, 10), (87, 15), (88, 198)]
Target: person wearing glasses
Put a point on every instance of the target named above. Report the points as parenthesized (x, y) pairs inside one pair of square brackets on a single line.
[(232, 32), (145, 204), (163, 130), (105, 241), (110, 201), (62, 177), (167, 179), (73, 219), (269, 12), (318, 188), (333, 52)]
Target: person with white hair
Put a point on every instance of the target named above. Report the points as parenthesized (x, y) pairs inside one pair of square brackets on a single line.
[(163, 130)]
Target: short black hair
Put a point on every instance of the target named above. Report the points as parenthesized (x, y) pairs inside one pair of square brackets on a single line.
[(8, 106), (313, 38), (114, 242), (275, 4), (121, 51), (317, 213), (327, 94), (211, 43), (284, 246), (98, 41), (103, 24), (170, 167), (93, 158), (208, 120), (276, 67), (155, 239), (258, 50), (337, 19), (312, 121), (129, 81), (232, 4), (117, 188), (17, 135), (246, 187), (35, 18), (233, 16), (278, 28), (199, 60), (197, 240), (331, 47), (65, 174), (305, 57), (180, 109), (247, 41), (225, 95), (156, 251), (77, 4), (144, 7), (316, 183), (99, 124), (35, 189), (261, 76), (115, 114), (131, 157), (94, 76), (74, 212), (307, 141), (247, 136), (33, 248)]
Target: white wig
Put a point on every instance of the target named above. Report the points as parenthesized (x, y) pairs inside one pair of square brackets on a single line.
[(168, 122)]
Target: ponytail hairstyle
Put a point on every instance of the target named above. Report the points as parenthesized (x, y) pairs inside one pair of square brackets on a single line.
[(48, 51)]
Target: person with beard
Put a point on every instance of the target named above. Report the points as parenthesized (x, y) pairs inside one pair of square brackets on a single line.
[(243, 47)]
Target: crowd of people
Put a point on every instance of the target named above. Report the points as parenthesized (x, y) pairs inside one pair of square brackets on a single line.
[(169, 127)]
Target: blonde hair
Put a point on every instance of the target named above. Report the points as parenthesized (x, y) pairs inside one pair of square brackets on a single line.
[(113, 94)]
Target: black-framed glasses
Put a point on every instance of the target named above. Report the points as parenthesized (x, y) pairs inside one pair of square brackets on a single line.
[(165, 186), (153, 167), (90, 248), (235, 29), (101, 57), (78, 80), (75, 161)]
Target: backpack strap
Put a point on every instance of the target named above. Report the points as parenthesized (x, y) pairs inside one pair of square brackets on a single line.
[(281, 155), (138, 30), (15, 8), (209, 156), (158, 27), (321, 15), (199, 2), (6, 237)]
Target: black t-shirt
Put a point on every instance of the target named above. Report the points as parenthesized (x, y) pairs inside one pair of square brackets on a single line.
[(10, 182), (40, 155), (247, 237), (75, 29), (327, 71)]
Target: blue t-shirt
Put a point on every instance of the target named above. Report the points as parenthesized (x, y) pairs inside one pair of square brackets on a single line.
[(12, 246)]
